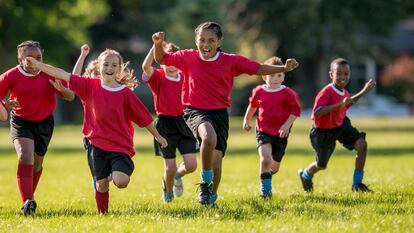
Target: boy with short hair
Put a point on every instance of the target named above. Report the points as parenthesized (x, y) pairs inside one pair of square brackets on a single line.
[(331, 124), (278, 108)]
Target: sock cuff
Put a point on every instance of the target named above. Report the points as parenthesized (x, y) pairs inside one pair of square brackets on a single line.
[(266, 175)]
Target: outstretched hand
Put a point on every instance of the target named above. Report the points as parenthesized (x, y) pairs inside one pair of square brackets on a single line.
[(369, 86), (158, 37), (291, 64)]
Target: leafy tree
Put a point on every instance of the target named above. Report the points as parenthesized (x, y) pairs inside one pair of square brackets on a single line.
[(58, 25)]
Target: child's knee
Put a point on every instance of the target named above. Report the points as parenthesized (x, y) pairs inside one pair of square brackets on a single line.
[(121, 183), (191, 167)]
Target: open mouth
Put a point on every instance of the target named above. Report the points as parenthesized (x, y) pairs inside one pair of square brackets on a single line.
[(109, 73)]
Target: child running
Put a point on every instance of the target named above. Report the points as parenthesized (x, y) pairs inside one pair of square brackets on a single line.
[(110, 108), (330, 124), (166, 84), (208, 80), (278, 108), (32, 98)]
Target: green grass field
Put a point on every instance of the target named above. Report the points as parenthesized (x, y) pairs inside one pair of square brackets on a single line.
[(66, 200)]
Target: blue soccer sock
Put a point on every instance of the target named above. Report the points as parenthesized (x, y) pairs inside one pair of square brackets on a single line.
[(358, 176), (168, 197), (207, 176), (306, 175), (178, 175), (213, 198), (266, 183)]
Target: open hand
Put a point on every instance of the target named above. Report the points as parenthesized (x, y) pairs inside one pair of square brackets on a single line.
[(162, 141), (369, 86), (284, 131)]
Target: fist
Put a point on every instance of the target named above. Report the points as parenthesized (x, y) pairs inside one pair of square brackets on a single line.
[(291, 64), (158, 37), (85, 49)]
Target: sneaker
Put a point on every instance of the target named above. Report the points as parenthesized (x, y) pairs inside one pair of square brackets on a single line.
[(204, 195), (29, 208), (167, 197), (360, 187), (306, 184), (178, 187)]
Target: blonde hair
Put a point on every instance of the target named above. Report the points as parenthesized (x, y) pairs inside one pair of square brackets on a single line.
[(126, 75), (92, 66)]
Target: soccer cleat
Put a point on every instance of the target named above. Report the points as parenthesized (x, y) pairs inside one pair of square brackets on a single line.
[(360, 187), (306, 184), (29, 208), (204, 195), (178, 187)]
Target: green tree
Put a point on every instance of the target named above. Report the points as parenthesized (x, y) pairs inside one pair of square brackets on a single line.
[(58, 25)]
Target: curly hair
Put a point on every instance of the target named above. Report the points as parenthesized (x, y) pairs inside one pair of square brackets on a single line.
[(126, 75), (92, 67)]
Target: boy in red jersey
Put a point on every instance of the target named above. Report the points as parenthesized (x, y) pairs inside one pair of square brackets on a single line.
[(330, 124), (31, 119), (278, 108), (111, 107), (208, 79), (166, 84)]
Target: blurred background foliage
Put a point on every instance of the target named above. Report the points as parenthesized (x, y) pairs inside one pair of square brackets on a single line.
[(313, 31)]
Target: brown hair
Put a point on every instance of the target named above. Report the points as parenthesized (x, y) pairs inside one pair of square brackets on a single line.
[(126, 76), (27, 44), (170, 47), (215, 27), (274, 61)]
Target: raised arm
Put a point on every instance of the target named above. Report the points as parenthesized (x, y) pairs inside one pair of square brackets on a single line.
[(158, 39), (250, 111), (48, 69), (81, 60), (266, 69), (147, 64)]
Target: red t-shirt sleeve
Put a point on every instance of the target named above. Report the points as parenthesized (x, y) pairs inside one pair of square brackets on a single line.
[(175, 59), (154, 81), (243, 65), (79, 85), (321, 100), (293, 103), (4, 85), (137, 111), (253, 99)]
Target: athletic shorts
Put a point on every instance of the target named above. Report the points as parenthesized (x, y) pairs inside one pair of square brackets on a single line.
[(102, 163), (324, 140), (39, 131), (278, 144), (178, 135), (218, 118)]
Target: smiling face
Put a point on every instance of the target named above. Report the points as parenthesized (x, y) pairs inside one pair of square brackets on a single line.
[(207, 43), (340, 75), (109, 67), (33, 52)]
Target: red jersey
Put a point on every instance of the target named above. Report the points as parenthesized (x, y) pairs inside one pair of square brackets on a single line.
[(327, 96), (208, 83), (275, 107), (35, 94), (109, 113), (166, 91)]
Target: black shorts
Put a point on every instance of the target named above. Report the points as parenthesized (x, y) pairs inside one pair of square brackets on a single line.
[(39, 131), (218, 118), (324, 140), (178, 135), (278, 144), (102, 163)]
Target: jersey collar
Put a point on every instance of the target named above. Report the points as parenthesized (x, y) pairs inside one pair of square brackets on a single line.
[(265, 88), (339, 92), (174, 79), (210, 59), (113, 89), (20, 68)]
